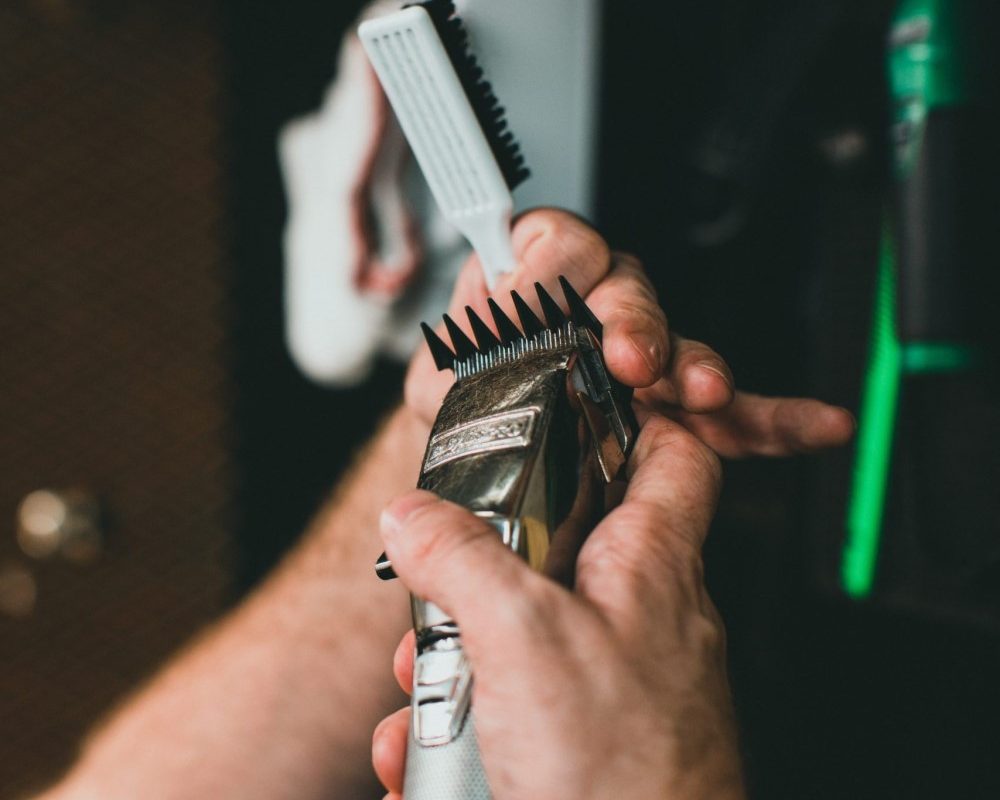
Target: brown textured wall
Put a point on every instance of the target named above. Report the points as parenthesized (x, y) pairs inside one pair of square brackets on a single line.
[(112, 347)]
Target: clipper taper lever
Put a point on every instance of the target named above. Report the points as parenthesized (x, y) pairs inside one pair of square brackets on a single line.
[(526, 437)]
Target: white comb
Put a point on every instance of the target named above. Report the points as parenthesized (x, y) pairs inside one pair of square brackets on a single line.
[(452, 121)]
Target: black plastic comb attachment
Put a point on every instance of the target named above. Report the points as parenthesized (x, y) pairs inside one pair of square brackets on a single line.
[(579, 312), (485, 338), (530, 324), (554, 316), (509, 332), (484, 103), (443, 357), (463, 345)]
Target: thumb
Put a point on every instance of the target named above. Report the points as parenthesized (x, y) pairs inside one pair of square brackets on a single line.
[(447, 555)]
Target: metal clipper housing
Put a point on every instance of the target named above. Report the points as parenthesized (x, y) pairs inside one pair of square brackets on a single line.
[(526, 438)]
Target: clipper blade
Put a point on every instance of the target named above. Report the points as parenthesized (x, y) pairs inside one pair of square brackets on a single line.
[(508, 335)]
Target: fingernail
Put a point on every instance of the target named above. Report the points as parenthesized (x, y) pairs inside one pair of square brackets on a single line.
[(649, 350), (851, 419), (715, 370), (394, 515)]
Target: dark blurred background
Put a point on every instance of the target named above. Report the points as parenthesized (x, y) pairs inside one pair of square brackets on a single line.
[(149, 404)]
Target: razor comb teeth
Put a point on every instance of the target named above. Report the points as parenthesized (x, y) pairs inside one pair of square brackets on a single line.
[(485, 338), (464, 348), (509, 332), (440, 352), (579, 311), (554, 316), (466, 356), (530, 324)]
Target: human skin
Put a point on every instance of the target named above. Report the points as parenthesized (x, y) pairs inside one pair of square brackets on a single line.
[(278, 698), (616, 688)]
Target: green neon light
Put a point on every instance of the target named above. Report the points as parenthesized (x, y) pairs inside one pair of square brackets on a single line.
[(929, 65), (936, 357), (875, 432)]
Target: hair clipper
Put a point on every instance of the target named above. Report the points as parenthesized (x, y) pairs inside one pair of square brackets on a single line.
[(526, 438)]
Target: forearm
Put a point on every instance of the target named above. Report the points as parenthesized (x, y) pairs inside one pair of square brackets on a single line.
[(280, 698)]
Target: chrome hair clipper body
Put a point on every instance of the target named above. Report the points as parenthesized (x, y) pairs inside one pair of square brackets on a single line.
[(526, 438)]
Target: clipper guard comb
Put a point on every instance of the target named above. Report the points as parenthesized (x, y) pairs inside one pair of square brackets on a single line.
[(526, 438)]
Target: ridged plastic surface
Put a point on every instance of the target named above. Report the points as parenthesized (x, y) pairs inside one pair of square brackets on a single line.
[(444, 132), (450, 771)]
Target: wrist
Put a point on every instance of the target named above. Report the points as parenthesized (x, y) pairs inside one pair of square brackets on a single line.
[(334, 567)]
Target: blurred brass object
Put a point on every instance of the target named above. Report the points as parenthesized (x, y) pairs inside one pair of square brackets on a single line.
[(18, 590), (65, 523)]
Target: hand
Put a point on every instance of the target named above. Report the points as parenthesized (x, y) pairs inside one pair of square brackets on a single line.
[(616, 689), (676, 377)]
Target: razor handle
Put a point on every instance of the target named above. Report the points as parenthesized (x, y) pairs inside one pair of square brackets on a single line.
[(442, 754), (528, 491), (525, 466), (526, 439), (449, 772)]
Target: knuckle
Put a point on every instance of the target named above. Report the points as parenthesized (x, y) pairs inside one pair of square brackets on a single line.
[(682, 556), (546, 224), (630, 308), (575, 237), (701, 458), (708, 636), (611, 554), (432, 531), (551, 241), (633, 518), (691, 350), (657, 433), (645, 552), (556, 220), (675, 555), (527, 608), (628, 262), (425, 545), (629, 267), (643, 541), (591, 247), (661, 433)]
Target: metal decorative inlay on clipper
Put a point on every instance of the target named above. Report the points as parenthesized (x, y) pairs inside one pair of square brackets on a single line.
[(509, 430)]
